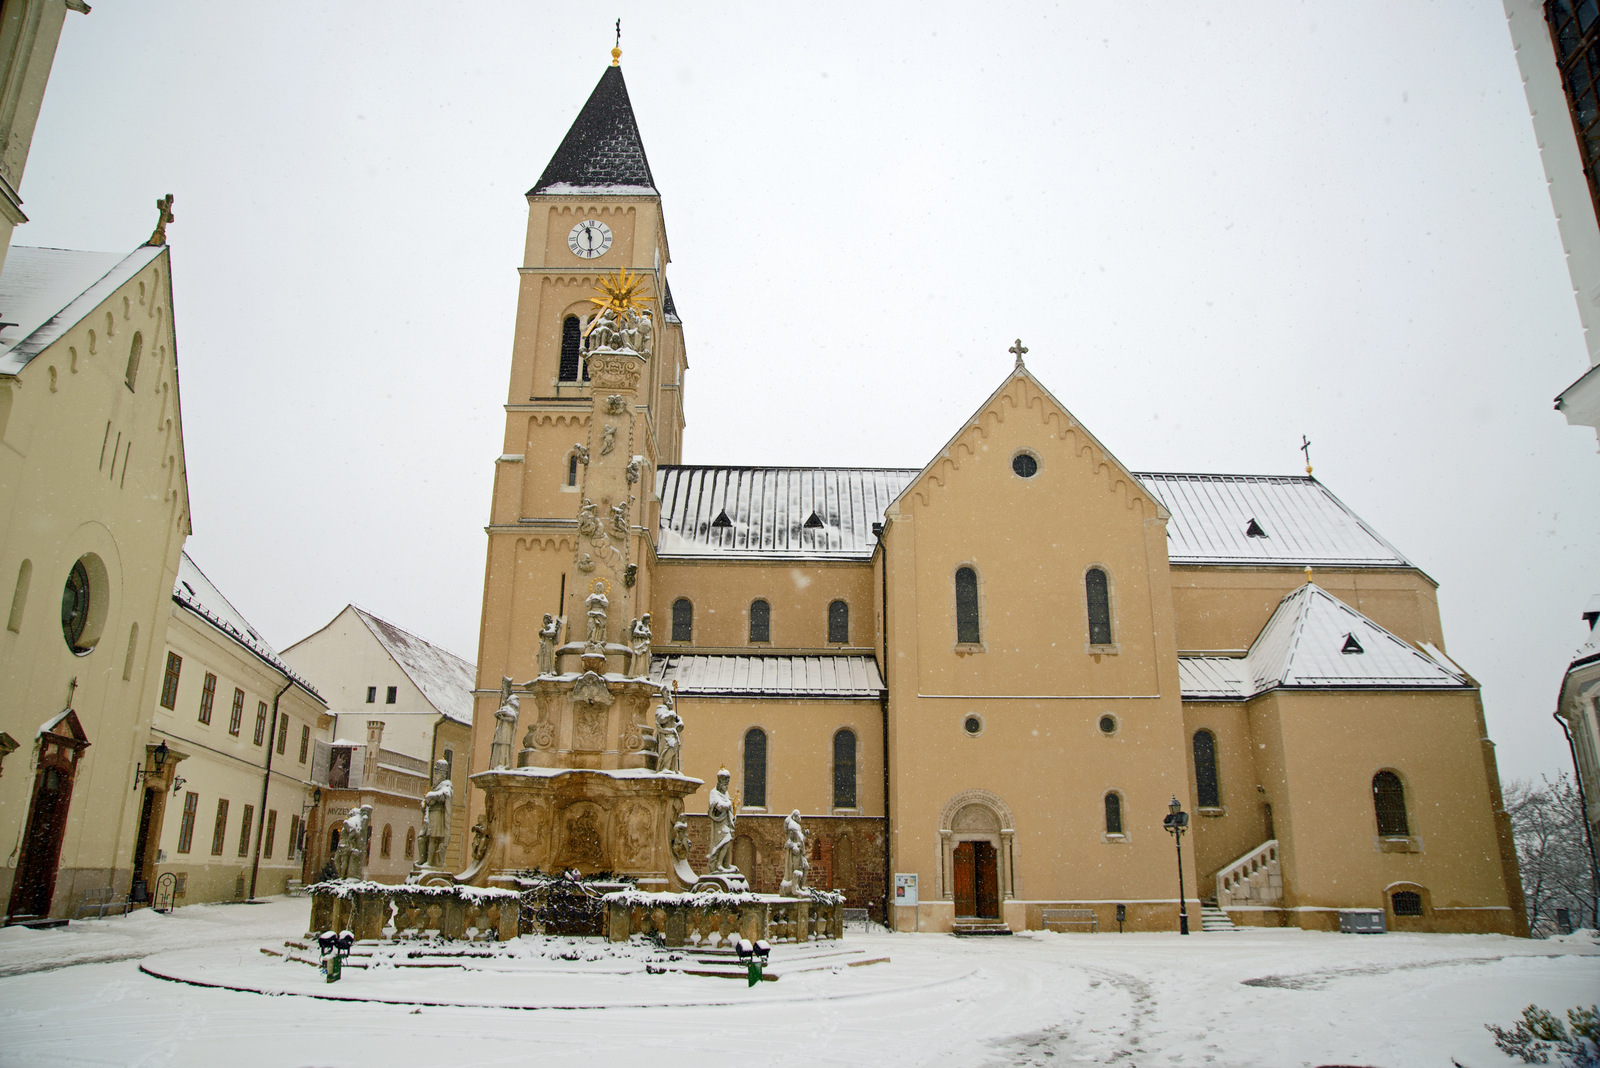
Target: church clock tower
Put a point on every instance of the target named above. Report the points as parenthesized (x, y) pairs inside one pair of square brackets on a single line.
[(594, 219)]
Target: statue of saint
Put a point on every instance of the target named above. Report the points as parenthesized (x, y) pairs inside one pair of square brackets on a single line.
[(436, 816), (595, 605), (669, 744), (608, 440), (639, 638), (480, 838), (679, 843), (588, 519), (724, 814), (795, 864), (549, 632), (619, 519), (350, 861), (505, 732)]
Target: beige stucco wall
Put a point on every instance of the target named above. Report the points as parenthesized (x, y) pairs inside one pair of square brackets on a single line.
[(797, 592), (63, 494)]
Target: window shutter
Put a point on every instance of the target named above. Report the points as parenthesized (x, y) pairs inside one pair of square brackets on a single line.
[(319, 763)]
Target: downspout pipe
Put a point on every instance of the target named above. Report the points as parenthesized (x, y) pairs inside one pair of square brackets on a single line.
[(266, 780), (883, 704), (1588, 833)]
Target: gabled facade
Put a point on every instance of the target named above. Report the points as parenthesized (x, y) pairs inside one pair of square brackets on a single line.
[(397, 705), (993, 672), (225, 796)]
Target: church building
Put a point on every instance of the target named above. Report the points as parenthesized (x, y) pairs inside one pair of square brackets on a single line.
[(981, 723)]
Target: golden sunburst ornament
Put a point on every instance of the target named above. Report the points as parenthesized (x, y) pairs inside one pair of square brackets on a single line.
[(624, 291)]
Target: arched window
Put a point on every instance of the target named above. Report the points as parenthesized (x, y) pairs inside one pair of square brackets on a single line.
[(755, 768), (967, 606), (388, 842), (844, 769), (838, 622), (1207, 793), (572, 350), (572, 470), (760, 621), (1099, 595), (1389, 801), (133, 649), (1113, 814), (411, 842), (682, 620), (1406, 903), (132, 378), (19, 596)]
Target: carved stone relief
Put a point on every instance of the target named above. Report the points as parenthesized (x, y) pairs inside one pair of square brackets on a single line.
[(582, 842)]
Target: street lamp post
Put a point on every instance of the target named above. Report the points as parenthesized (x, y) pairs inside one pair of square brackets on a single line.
[(1177, 819)]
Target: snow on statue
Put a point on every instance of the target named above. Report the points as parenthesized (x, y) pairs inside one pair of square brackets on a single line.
[(436, 817)]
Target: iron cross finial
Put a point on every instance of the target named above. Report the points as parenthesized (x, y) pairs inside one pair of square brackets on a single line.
[(1018, 350), (1305, 447), (159, 238), (616, 51)]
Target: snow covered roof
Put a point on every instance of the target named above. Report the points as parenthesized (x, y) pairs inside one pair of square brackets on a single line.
[(197, 593), (444, 678), (1314, 640), (819, 512), (47, 291), (1264, 519), (770, 676), (669, 310), (602, 152)]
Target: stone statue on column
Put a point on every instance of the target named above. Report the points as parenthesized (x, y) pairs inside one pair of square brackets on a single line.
[(436, 816), (505, 732), (724, 815), (669, 742), (595, 606), (795, 865), (549, 634), (639, 637), (350, 860)]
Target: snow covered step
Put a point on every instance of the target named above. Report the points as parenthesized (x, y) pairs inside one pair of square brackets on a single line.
[(967, 930), (1214, 919)]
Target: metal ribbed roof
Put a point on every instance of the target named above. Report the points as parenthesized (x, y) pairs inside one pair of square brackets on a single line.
[(1301, 521), (1303, 646), (767, 509), (770, 676), (199, 595)]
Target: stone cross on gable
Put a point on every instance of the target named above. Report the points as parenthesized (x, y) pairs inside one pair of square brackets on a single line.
[(159, 238), (1018, 350)]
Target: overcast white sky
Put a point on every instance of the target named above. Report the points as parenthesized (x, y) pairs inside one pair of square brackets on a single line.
[(1217, 226)]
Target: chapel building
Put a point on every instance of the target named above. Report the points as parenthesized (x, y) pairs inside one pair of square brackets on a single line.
[(1003, 710)]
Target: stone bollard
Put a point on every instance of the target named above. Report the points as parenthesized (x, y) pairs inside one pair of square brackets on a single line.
[(453, 919), (802, 922), (837, 918), (677, 932), (508, 918), (751, 926), (369, 913), (322, 913), (619, 923)]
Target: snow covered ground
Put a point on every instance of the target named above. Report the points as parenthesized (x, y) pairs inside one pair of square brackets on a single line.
[(76, 996)]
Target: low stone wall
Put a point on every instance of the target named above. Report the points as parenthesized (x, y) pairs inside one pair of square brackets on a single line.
[(714, 919), (847, 854), (377, 910)]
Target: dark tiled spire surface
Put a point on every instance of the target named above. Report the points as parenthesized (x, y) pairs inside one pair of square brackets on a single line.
[(602, 151)]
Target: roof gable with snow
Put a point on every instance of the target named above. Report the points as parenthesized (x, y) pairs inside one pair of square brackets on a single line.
[(443, 678), (602, 152), (45, 292)]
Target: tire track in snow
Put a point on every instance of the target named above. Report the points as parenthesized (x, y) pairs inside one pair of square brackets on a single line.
[(1061, 1043)]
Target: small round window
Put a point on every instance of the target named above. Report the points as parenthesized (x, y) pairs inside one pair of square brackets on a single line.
[(1108, 724), (83, 607), (973, 725), (1025, 464)]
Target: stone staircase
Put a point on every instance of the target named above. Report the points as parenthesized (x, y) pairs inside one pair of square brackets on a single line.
[(1253, 879), (1213, 918), (970, 928)]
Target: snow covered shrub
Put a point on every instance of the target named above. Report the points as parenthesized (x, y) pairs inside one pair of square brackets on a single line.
[(1539, 1034)]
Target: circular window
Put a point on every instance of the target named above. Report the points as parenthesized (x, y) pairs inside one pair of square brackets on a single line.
[(1025, 464), (973, 725), (83, 608), (1108, 724)]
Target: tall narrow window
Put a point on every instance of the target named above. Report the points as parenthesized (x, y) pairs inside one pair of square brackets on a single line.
[(133, 650), (132, 377), (19, 596), (272, 832), (1207, 795), (261, 721), (283, 733), (572, 470), (391, 694), (236, 716), (572, 350), (844, 769), (1099, 595), (220, 831), (387, 844), (1389, 801), (372, 695), (838, 622), (760, 621), (1113, 814), (755, 768), (191, 802), (682, 620), (208, 697), (305, 741), (294, 835), (411, 842), (244, 829), (967, 606), (169, 683)]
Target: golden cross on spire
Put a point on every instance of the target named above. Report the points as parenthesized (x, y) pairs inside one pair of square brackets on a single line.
[(159, 238), (1305, 447), (616, 52), (1018, 350)]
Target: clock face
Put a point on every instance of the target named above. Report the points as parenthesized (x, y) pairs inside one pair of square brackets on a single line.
[(589, 239)]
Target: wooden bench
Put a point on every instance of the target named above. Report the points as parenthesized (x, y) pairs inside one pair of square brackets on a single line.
[(1067, 919), (856, 916), (98, 901)]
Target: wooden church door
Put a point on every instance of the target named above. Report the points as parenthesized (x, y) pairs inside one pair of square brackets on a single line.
[(987, 878), (41, 850), (965, 880)]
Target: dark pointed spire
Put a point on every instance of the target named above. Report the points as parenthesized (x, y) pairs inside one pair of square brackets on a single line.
[(602, 153)]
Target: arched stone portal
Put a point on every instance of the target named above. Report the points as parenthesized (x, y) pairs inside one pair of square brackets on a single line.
[(976, 853)]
